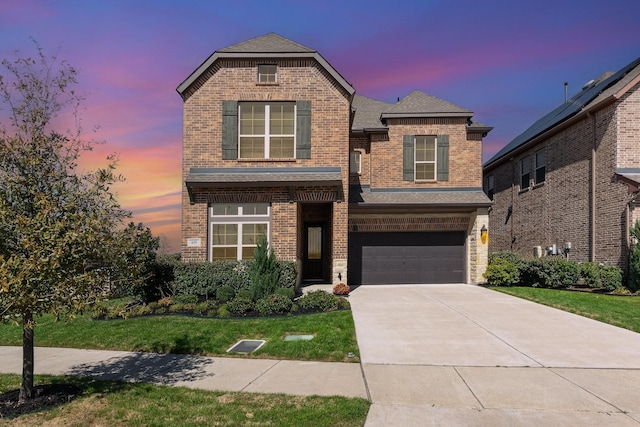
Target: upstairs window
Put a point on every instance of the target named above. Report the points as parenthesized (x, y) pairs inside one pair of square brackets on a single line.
[(525, 173), (490, 186), (425, 156), (267, 130), (267, 73), (355, 162), (540, 167)]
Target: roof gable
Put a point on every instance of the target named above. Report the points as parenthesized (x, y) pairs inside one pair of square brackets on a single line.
[(268, 46)]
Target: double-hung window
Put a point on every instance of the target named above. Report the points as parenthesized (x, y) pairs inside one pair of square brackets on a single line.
[(525, 172), (425, 157), (540, 167), (236, 229), (267, 73), (267, 130)]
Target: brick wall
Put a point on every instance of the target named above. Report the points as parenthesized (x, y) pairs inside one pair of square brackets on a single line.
[(202, 147), (561, 209)]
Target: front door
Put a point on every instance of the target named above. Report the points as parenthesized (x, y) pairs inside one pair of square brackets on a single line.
[(314, 251)]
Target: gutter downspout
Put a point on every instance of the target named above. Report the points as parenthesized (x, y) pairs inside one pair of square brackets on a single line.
[(592, 237)]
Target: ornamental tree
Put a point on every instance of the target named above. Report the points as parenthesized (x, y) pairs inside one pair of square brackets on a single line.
[(58, 224)]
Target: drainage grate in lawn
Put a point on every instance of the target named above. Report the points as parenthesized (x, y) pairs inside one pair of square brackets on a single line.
[(246, 346), (298, 338)]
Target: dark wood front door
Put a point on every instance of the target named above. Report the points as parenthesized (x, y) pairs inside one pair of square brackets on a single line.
[(314, 251)]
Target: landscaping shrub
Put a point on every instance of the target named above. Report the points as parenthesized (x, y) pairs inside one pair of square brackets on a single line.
[(507, 256), (264, 271), (225, 293), (590, 273), (566, 272), (286, 292), (541, 273), (185, 299), (341, 289), (288, 274), (634, 259), (273, 305), (240, 307), (611, 277), (502, 272), (318, 301)]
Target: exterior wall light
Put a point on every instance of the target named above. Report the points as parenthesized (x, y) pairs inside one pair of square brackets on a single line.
[(483, 235)]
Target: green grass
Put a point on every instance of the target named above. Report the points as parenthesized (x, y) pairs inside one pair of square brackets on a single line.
[(334, 335), (112, 403), (622, 311)]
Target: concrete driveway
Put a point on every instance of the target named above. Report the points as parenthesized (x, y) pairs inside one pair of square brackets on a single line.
[(466, 355)]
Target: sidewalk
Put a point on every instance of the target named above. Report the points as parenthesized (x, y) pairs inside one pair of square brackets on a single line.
[(207, 373)]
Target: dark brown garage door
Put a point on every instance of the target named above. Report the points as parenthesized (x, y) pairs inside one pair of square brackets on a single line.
[(397, 258)]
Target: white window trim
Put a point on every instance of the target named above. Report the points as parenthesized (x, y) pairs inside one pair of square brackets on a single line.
[(434, 161), (275, 74), (240, 219), (267, 131)]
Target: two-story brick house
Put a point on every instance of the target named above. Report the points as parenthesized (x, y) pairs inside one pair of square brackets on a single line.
[(276, 143), (571, 180)]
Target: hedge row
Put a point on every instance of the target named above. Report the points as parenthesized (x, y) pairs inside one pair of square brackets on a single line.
[(198, 281), (508, 269)]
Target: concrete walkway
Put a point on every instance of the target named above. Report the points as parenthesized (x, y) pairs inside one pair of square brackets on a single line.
[(452, 355), (431, 355)]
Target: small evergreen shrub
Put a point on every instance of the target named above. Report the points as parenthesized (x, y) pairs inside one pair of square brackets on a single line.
[(566, 273), (265, 274), (203, 307), (549, 273), (288, 274), (286, 292), (223, 311), (590, 273), (318, 301), (634, 259), (273, 305), (611, 277), (502, 272), (244, 294), (225, 293), (240, 307)]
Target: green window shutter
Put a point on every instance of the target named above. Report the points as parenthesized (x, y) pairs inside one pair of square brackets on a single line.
[(229, 130), (408, 158), (303, 129), (443, 158)]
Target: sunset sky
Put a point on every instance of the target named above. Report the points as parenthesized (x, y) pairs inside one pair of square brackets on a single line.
[(506, 60)]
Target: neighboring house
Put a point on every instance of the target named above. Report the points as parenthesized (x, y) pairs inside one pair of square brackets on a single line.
[(571, 180), (276, 143)]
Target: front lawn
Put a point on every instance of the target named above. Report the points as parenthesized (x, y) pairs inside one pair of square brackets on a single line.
[(334, 335), (622, 311), (111, 403)]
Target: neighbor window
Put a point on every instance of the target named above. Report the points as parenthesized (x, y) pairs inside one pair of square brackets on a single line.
[(267, 73), (236, 229), (490, 184), (267, 130), (540, 167), (425, 157), (355, 164), (525, 174)]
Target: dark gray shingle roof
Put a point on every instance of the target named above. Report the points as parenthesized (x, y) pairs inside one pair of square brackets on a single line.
[(427, 197), (199, 177), (368, 112), (269, 43), (420, 104)]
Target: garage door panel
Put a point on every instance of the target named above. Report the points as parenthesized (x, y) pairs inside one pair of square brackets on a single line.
[(394, 258)]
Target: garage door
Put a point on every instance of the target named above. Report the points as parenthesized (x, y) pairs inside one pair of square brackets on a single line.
[(396, 258)]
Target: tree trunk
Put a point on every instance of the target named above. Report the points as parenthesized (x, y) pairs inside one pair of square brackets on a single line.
[(26, 388)]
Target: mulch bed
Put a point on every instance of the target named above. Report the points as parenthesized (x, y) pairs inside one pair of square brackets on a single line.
[(47, 396)]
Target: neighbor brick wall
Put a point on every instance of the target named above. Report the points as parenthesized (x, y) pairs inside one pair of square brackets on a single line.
[(559, 210)]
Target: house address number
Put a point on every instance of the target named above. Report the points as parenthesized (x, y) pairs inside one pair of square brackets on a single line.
[(194, 242)]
